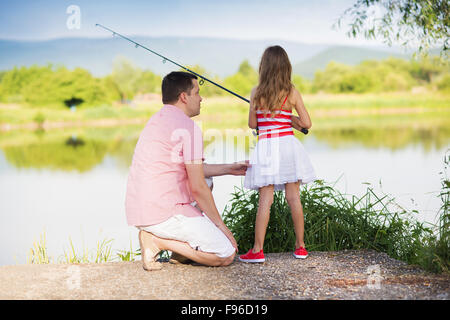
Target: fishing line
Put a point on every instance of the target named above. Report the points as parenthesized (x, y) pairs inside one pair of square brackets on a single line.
[(165, 59)]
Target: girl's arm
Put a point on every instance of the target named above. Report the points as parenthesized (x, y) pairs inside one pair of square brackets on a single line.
[(252, 120), (296, 123), (303, 120)]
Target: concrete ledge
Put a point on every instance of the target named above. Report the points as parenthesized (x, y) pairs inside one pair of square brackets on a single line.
[(361, 274)]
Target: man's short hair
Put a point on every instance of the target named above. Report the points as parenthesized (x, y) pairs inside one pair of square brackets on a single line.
[(174, 84)]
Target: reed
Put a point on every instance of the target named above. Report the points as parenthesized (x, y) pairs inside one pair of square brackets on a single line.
[(335, 221), (38, 254), (71, 256), (435, 255), (104, 251), (128, 255)]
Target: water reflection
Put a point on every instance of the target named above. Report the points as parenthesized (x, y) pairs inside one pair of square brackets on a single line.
[(36, 199), (58, 155), (80, 151), (83, 149), (74, 142), (436, 137)]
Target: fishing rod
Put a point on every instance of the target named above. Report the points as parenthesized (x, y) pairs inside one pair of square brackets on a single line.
[(202, 78)]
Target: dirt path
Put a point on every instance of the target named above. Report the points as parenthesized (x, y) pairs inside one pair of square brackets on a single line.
[(323, 275)]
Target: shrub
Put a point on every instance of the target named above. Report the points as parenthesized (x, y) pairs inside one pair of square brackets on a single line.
[(334, 221)]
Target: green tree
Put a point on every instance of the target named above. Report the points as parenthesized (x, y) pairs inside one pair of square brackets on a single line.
[(396, 82), (207, 89), (301, 84), (59, 86), (112, 92), (444, 83), (126, 76), (247, 71), (330, 79), (391, 74), (426, 22), (427, 68), (16, 80), (148, 82), (369, 76), (356, 81), (242, 81)]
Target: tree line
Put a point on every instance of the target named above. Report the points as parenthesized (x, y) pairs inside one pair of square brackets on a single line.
[(58, 86)]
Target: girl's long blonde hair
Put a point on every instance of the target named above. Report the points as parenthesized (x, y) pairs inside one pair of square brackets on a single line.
[(274, 79)]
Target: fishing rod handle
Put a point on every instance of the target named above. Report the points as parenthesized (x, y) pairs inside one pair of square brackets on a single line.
[(303, 130)]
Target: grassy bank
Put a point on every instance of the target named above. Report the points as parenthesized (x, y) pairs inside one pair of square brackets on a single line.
[(230, 112), (335, 221), (38, 253)]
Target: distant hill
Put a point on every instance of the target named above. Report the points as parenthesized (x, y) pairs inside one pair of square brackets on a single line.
[(218, 56), (343, 54)]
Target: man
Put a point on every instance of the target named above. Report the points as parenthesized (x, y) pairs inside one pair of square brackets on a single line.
[(168, 174)]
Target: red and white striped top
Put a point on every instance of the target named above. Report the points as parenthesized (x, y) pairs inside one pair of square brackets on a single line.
[(278, 126)]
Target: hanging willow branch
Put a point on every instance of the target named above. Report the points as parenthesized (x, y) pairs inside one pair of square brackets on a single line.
[(420, 23)]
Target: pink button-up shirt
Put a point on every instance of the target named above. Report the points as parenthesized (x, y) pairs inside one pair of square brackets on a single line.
[(158, 186)]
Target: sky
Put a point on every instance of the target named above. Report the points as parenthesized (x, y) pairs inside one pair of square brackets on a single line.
[(291, 20)]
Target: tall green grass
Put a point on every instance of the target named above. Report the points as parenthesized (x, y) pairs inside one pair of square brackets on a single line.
[(335, 221), (72, 256), (227, 111), (435, 255), (39, 254)]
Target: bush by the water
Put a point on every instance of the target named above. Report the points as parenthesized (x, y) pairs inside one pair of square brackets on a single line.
[(57, 86), (334, 222)]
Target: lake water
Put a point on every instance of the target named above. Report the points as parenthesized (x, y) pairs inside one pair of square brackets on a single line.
[(44, 189)]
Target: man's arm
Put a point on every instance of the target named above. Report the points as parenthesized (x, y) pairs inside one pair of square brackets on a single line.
[(236, 169), (202, 194)]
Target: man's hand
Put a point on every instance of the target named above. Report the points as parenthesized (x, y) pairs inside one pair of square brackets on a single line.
[(238, 168), (230, 236), (205, 201)]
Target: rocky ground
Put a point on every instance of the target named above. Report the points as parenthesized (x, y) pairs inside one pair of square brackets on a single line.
[(352, 274)]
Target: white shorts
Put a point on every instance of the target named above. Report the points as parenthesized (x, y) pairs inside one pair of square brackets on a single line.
[(199, 232)]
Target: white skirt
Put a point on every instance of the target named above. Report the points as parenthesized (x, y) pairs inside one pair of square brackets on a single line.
[(278, 161)]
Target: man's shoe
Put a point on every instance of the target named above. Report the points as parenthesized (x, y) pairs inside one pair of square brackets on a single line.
[(301, 253), (149, 251), (252, 257)]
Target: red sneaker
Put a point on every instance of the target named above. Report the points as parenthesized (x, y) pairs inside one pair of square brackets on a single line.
[(300, 253), (252, 257)]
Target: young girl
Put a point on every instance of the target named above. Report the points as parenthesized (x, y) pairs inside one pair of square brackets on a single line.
[(279, 161)]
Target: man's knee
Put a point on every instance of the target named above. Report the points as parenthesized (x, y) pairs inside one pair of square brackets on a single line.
[(227, 260)]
